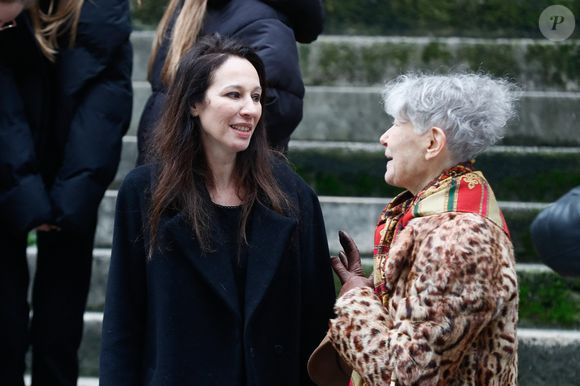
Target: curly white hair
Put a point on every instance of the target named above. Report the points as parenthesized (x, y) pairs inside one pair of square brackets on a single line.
[(472, 109)]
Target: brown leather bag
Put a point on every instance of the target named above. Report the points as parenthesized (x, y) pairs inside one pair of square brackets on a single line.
[(326, 367)]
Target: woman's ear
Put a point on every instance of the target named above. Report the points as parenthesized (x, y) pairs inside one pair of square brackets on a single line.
[(437, 143), (193, 111)]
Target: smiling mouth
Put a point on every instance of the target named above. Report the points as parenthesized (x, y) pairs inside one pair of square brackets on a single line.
[(243, 129)]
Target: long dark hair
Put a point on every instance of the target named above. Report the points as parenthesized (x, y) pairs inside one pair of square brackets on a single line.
[(177, 150)]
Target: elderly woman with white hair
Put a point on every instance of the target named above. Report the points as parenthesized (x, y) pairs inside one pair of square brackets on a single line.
[(441, 305)]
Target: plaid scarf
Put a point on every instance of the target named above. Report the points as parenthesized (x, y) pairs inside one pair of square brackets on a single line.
[(458, 189)]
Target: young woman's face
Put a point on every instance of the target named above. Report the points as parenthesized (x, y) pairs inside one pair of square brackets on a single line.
[(231, 109), (9, 12)]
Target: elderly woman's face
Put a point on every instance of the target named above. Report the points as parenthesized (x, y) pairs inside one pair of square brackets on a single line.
[(405, 150)]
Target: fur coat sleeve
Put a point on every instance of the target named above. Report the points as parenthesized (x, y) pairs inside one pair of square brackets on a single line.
[(452, 309)]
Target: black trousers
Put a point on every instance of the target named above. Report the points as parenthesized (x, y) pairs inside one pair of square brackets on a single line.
[(59, 295)]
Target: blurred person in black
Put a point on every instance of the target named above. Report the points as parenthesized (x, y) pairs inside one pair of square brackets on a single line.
[(65, 103), (556, 234)]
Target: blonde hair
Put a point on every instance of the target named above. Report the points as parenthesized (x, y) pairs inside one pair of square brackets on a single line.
[(50, 24), (184, 34)]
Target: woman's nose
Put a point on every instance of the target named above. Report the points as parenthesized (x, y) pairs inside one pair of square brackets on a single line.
[(251, 108), (383, 138)]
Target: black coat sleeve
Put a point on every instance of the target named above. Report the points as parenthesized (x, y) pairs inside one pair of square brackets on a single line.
[(123, 334), (275, 43), (306, 17), (95, 80), (556, 234), (24, 201), (318, 291)]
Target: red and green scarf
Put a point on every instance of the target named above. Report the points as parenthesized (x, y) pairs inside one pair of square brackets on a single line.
[(459, 189)]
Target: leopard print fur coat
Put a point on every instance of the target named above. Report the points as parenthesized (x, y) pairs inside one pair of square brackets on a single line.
[(451, 314)]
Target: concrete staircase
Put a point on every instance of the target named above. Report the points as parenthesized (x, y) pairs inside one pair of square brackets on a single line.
[(335, 149)]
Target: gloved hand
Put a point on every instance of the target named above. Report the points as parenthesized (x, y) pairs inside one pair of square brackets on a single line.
[(347, 265)]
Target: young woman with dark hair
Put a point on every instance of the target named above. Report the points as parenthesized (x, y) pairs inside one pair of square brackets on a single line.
[(220, 272), (271, 27)]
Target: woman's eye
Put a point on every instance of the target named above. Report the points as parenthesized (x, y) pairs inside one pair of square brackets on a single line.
[(256, 97), (233, 94)]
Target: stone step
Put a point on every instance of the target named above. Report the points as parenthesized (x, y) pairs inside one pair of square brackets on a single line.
[(102, 257), (546, 357), (416, 18), (370, 60), (491, 18), (438, 17), (358, 216), (555, 350), (533, 279), (517, 173), (356, 114), (82, 381), (356, 169), (537, 65), (538, 348), (142, 42)]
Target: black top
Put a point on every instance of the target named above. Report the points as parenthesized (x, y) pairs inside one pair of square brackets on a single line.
[(227, 220)]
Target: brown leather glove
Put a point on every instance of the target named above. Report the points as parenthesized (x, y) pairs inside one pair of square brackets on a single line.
[(347, 265)]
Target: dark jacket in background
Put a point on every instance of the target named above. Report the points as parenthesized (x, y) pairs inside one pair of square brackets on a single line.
[(556, 234), (61, 123), (175, 320), (273, 32)]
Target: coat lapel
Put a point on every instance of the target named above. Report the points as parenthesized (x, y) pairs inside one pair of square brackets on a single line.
[(268, 240), (216, 268)]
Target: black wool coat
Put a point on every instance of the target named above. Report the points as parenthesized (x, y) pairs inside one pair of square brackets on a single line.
[(175, 319), (272, 28), (61, 123)]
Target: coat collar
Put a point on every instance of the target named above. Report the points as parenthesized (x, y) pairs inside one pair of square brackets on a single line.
[(178, 242), (269, 235), (269, 239)]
